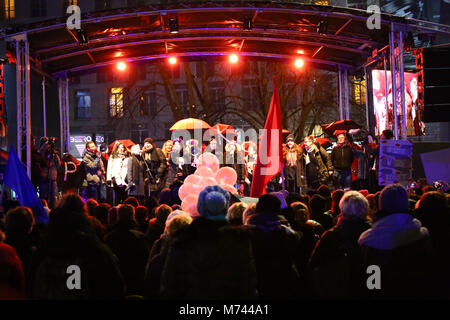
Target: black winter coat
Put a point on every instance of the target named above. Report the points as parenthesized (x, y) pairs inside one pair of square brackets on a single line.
[(342, 239), (276, 249), (210, 260), (100, 274), (131, 248)]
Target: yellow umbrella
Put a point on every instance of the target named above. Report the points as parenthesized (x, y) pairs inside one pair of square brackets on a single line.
[(190, 124)]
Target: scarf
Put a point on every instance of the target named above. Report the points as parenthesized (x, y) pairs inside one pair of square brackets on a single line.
[(291, 157)]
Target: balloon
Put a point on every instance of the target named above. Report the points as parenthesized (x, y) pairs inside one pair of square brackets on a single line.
[(190, 189), (183, 191), (209, 160), (189, 205), (226, 175), (204, 172), (193, 178), (229, 188), (208, 181)]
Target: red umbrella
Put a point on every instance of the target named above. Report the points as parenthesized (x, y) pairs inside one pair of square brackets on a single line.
[(346, 125), (127, 143), (224, 129), (324, 142)]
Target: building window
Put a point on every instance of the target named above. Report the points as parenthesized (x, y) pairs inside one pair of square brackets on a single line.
[(116, 103), (9, 9), (149, 105), (83, 110), (249, 92), (217, 95)]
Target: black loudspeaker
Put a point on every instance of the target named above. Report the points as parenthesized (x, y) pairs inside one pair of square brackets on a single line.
[(433, 83)]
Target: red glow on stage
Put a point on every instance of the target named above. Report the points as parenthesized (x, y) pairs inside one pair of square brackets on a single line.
[(233, 58), (121, 66), (172, 60), (300, 52), (299, 63)]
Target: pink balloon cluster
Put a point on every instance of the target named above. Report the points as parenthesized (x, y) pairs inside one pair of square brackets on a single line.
[(207, 174)]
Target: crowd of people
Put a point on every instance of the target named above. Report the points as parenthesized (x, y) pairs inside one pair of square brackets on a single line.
[(284, 246), (315, 240), (140, 172)]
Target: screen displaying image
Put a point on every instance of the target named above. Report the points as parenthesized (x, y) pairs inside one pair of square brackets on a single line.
[(384, 113)]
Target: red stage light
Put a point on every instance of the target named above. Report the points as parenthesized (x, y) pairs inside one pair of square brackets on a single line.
[(172, 60), (233, 58), (121, 66), (299, 63), (300, 52)]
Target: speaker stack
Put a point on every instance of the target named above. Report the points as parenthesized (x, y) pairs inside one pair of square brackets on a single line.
[(433, 83)]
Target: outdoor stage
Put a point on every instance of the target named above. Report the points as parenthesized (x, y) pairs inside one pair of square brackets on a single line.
[(331, 38)]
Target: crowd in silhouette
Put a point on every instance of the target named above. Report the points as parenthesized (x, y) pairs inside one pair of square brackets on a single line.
[(285, 246)]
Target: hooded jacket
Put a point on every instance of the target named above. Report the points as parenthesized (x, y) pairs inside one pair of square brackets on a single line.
[(402, 249), (275, 248)]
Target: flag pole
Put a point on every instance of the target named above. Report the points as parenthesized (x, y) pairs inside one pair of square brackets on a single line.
[(282, 176)]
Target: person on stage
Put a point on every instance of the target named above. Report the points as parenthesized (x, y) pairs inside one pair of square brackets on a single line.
[(136, 174), (191, 154), (234, 157), (216, 149), (176, 164), (341, 159), (95, 172), (293, 165), (250, 163), (317, 163), (116, 172), (155, 166), (48, 185)]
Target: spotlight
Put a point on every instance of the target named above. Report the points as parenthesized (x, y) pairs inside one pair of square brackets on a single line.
[(82, 36), (121, 66), (248, 24), (173, 25), (233, 58), (300, 52), (172, 60), (299, 63), (322, 27)]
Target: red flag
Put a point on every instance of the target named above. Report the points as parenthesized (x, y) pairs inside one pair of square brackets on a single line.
[(270, 149)]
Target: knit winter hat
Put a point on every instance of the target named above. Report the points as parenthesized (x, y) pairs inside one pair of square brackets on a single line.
[(213, 203), (290, 138), (268, 203), (149, 140), (393, 199)]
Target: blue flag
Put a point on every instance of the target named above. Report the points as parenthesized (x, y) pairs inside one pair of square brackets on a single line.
[(16, 178)]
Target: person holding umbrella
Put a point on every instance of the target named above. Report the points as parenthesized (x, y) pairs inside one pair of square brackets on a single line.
[(342, 158)]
